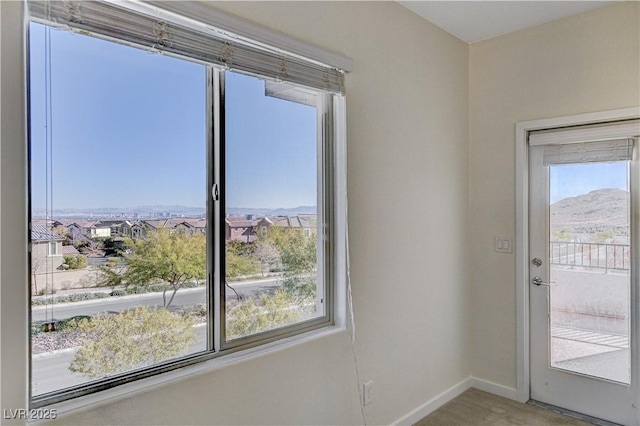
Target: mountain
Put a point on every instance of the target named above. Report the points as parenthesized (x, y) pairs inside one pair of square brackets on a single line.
[(599, 208), (261, 212)]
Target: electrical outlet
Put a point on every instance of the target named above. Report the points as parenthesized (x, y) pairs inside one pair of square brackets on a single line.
[(367, 393)]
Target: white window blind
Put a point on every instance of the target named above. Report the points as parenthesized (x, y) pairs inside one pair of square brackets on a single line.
[(587, 144), (153, 28), (581, 134), (589, 152)]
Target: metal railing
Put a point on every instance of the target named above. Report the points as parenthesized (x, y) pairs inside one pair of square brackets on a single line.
[(590, 255)]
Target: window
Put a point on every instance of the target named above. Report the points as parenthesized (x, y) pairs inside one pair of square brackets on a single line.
[(239, 137), (53, 249)]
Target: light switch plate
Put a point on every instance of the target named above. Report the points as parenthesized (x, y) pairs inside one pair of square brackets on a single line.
[(503, 244)]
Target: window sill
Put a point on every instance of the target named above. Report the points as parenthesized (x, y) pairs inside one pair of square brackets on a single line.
[(127, 390)]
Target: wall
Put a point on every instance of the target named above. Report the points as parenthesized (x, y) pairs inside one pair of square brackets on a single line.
[(407, 178), (13, 278), (586, 63)]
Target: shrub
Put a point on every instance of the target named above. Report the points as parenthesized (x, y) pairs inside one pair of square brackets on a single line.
[(272, 312), (111, 344), (136, 289), (76, 261)]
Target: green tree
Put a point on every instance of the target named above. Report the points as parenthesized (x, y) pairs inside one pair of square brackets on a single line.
[(299, 260), (111, 344), (161, 257), (239, 261)]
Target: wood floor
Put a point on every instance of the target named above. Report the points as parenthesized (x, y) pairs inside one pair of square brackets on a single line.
[(475, 407)]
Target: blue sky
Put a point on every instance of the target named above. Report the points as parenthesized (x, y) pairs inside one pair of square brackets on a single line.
[(271, 147), (129, 129), (576, 179)]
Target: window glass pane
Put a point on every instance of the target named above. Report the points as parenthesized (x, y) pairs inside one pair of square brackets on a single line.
[(118, 198), (590, 267), (272, 276)]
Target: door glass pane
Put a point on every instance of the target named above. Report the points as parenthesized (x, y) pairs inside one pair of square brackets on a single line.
[(118, 200), (589, 250), (272, 274)]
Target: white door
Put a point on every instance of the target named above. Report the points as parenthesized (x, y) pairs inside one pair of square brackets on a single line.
[(582, 274)]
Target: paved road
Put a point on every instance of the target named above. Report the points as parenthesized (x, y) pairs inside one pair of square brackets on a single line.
[(185, 297)]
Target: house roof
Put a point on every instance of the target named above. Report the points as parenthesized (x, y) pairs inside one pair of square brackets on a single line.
[(240, 222), (86, 223), (298, 221), (40, 233), (156, 224), (162, 223), (50, 223), (69, 250), (110, 223), (196, 223)]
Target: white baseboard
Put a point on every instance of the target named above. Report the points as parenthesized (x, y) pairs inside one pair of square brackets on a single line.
[(494, 388), (446, 396), (434, 403)]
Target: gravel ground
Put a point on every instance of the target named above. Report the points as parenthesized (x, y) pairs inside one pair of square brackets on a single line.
[(54, 340)]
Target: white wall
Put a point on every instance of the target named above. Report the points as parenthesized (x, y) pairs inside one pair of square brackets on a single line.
[(13, 278), (586, 63), (407, 145)]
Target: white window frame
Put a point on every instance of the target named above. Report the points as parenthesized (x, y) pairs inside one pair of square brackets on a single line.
[(335, 321), (325, 205)]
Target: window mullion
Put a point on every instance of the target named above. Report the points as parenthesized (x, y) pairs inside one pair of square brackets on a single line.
[(327, 204), (216, 233)]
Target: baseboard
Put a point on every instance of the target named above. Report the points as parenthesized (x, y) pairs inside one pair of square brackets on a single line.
[(434, 403), (494, 388), (446, 396)]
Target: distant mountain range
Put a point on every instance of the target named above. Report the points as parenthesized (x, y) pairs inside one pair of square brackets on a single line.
[(241, 211), (599, 208), (168, 210)]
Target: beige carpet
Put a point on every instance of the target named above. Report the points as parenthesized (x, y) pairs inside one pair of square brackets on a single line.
[(475, 407)]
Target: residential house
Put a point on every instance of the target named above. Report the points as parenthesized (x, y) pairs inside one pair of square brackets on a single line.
[(240, 229), (89, 229), (46, 249), (126, 228), (193, 225), (306, 224), (136, 230), (116, 227)]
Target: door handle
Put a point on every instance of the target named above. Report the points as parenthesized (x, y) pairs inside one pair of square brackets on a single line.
[(538, 281)]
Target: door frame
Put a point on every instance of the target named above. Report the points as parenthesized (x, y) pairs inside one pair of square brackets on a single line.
[(522, 233)]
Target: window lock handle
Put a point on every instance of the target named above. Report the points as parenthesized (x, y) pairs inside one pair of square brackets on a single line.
[(214, 192)]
